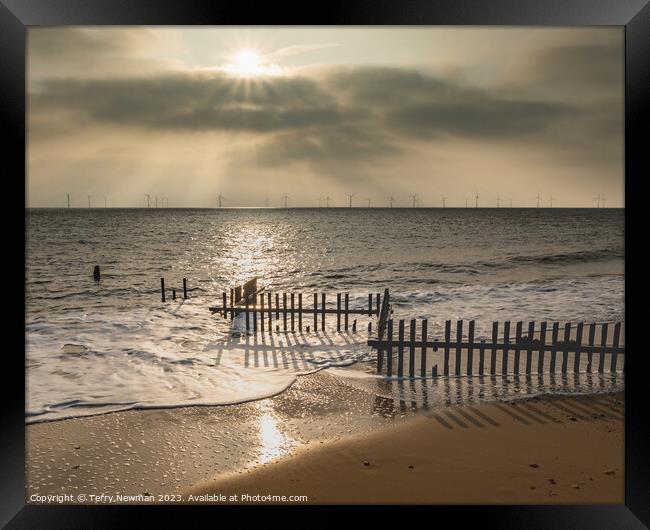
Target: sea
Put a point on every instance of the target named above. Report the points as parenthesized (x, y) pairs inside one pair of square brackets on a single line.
[(94, 347)]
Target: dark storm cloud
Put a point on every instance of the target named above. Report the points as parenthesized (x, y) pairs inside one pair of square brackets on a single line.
[(405, 100)]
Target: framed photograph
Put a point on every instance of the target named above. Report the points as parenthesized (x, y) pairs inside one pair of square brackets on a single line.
[(378, 256)]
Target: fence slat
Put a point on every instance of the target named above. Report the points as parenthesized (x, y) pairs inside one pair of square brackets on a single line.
[(556, 329), (270, 300), (423, 353), (518, 329), (347, 307), (470, 351), (459, 340), (248, 318), (323, 301), (412, 349), (506, 347), (300, 312), (315, 312), (262, 313), (277, 306), (529, 350), (378, 299), (293, 298), (576, 358), (224, 299), (567, 347), (542, 349), (369, 304), (603, 343), (592, 339), (254, 316), (447, 341), (389, 350), (284, 313), (493, 353), (232, 304), (481, 358), (400, 349), (616, 340), (338, 311)]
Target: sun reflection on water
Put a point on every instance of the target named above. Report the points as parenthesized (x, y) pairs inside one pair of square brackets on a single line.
[(273, 442)]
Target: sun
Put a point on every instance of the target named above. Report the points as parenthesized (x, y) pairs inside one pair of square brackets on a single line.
[(249, 63)]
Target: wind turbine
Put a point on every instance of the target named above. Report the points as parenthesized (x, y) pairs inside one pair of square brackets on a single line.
[(538, 199), (286, 198), (476, 205), (443, 202), (148, 200), (369, 201), (604, 199), (415, 198), (327, 201), (156, 201), (551, 201), (392, 200), (220, 198), (466, 199), (350, 197), (498, 199), (89, 196), (105, 202), (598, 199), (68, 195)]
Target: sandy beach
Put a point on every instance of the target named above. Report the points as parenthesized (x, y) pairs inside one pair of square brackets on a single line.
[(305, 440), (542, 451)]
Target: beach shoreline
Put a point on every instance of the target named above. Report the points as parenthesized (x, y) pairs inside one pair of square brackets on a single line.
[(305, 440), (551, 450)]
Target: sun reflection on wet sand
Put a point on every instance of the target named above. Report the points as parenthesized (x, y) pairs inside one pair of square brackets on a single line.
[(273, 442)]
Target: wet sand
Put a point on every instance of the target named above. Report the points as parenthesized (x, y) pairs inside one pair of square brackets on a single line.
[(313, 440), (539, 451)]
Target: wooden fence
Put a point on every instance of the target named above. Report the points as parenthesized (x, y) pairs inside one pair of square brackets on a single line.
[(527, 353), (163, 290), (292, 313)]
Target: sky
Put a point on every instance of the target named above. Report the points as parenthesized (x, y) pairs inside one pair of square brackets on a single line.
[(257, 113)]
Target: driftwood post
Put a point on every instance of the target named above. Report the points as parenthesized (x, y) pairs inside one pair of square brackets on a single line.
[(162, 289), (529, 351), (315, 312), (592, 338), (603, 342), (232, 304), (284, 313), (459, 346), (517, 347), (412, 349), (262, 313), (481, 357), (270, 301), (323, 311), (300, 312), (556, 329), (225, 303), (576, 359), (347, 307), (567, 347), (293, 312), (185, 288), (248, 324)]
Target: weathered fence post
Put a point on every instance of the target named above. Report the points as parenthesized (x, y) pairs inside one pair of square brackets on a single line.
[(412, 349), (338, 311), (506, 347), (315, 312), (556, 329), (400, 349), (347, 307), (576, 359), (225, 303), (592, 338), (389, 349), (248, 325), (529, 351), (300, 312), (481, 357), (262, 313), (184, 288), (277, 306), (517, 346), (369, 305), (232, 304), (542, 349), (284, 313), (603, 342), (493, 353), (423, 354), (470, 349), (293, 312), (162, 289), (615, 342), (567, 347), (269, 299), (323, 303), (447, 341), (254, 315), (459, 346)]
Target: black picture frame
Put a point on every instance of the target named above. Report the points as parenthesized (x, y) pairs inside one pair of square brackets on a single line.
[(634, 15)]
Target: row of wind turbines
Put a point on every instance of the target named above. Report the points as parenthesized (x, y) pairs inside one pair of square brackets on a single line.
[(415, 201)]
